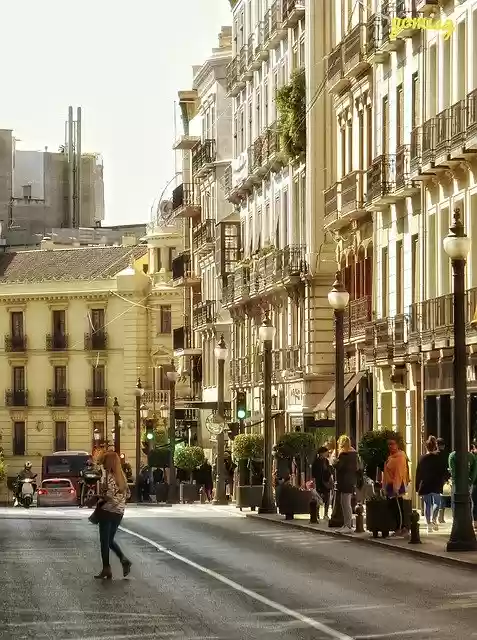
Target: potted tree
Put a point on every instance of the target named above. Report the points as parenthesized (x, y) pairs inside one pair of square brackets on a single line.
[(248, 453), (373, 451), (188, 459), (298, 447)]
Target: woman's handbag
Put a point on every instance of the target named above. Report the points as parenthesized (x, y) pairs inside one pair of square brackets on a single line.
[(97, 513)]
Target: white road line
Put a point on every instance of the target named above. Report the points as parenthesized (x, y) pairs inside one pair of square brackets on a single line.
[(314, 624), (395, 634)]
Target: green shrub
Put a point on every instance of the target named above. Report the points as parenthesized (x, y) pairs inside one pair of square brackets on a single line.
[(373, 449), (248, 446), (189, 458), (159, 457), (296, 444), (291, 105)]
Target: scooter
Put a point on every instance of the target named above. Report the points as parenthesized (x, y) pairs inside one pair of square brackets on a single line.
[(26, 493)]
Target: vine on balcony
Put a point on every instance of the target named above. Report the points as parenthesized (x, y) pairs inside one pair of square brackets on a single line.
[(291, 105)]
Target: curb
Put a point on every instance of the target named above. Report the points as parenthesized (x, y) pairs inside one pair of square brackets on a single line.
[(410, 550)]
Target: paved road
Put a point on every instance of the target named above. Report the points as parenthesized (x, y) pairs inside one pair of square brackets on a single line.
[(209, 574)]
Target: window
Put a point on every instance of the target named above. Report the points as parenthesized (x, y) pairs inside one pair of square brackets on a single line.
[(18, 379), (384, 288), (164, 319), (384, 124), (241, 131), (369, 135), (258, 107), (250, 122), (98, 431), (16, 322), (158, 259), (19, 439), (97, 319), (172, 254), (350, 146), (343, 151), (265, 104), (415, 101), (399, 277), (415, 268), (59, 322), (399, 116), (60, 378), (99, 376), (361, 140), (60, 443)]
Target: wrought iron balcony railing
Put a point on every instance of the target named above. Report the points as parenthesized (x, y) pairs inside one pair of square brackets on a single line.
[(186, 195), (182, 338), (96, 397), (203, 155), (332, 204), (58, 398), (352, 193), (96, 341), (203, 235), (357, 317), (334, 69), (14, 398), (56, 342), (381, 177), (204, 313), (15, 343), (403, 167)]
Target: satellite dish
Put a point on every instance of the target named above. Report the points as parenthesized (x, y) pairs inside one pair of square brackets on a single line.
[(214, 424)]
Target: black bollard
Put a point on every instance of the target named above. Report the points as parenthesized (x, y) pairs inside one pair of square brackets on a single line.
[(313, 512), (359, 519), (415, 537)]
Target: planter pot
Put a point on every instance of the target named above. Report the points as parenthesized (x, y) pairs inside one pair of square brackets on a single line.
[(248, 496), (380, 517), (292, 500), (188, 492)]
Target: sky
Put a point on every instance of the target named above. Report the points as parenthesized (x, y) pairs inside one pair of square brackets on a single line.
[(123, 63)]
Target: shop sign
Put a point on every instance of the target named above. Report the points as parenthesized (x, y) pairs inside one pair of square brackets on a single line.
[(425, 24)]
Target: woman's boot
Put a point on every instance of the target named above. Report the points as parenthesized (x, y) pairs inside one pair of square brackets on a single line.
[(105, 574), (441, 516), (126, 566)]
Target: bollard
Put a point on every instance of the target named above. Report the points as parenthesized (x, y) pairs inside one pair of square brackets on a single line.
[(359, 519), (203, 497), (415, 537), (313, 512), (181, 493)]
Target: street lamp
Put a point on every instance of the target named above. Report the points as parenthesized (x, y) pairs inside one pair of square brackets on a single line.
[(172, 376), (266, 334), (117, 427), (338, 298), (138, 392), (220, 352), (462, 537)]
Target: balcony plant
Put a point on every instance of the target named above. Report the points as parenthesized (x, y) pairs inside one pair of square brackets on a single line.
[(248, 453), (188, 459), (298, 447), (291, 105)]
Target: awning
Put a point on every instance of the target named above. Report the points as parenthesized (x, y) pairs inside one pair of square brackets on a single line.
[(326, 406)]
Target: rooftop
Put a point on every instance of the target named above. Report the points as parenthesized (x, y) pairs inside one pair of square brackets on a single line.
[(83, 263)]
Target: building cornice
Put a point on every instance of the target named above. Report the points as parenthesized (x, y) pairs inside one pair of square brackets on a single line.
[(209, 67), (19, 299)]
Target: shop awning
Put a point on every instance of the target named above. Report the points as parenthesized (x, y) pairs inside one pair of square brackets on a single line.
[(326, 406)]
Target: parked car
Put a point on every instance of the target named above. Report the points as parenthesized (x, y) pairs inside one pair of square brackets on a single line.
[(57, 492)]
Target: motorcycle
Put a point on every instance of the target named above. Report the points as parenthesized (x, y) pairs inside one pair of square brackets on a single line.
[(26, 492)]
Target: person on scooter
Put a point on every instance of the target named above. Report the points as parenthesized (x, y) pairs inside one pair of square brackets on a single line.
[(26, 472), (89, 478)]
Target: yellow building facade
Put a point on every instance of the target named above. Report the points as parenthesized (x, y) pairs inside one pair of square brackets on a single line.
[(80, 326)]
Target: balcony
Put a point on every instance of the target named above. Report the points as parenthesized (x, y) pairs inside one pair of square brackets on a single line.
[(15, 344), (381, 182), (272, 159), (276, 29), (160, 397), (406, 11), (332, 205), (182, 271), (458, 125), (255, 159), (374, 39), (96, 398), (293, 262), (388, 12), (16, 398), (241, 282), (60, 398), (428, 149), (352, 197), (471, 128), (228, 181), (414, 328), (384, 339), (260, 52), (250, 51), (56, 342), (370, 343), (354, 52), (292, 12), (400, 336), (235, 80), (183, 342), (186, 201), (357, 317), (203, 237), (96, 341), (404, 184), (423, 5), (335, 77), (415, 153), (203, 158), (204, 313), (240, 372)]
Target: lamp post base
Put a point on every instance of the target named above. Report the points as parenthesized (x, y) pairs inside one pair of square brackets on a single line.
[(337, 518), (462, 537), (268, 503)]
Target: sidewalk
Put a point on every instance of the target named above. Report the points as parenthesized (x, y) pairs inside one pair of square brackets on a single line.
[(433, 544)]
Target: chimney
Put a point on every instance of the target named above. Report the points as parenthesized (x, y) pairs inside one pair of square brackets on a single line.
[(225, 38)]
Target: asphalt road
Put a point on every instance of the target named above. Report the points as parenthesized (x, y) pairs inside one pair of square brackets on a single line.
[(209, 574)]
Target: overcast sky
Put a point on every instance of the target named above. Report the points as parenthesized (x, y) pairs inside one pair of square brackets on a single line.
[(123, 62)]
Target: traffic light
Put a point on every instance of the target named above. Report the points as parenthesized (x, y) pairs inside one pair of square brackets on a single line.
[(241, 405), (150, 430)]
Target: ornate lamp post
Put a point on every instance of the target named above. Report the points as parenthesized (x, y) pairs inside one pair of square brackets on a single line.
[(462, 537), (138, 392), (220, 352), (172, 376), (266, 334), (338, 298)]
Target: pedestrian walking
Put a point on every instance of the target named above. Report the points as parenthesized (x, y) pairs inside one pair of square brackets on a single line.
[(109, 513), (396, 479), (444, 462), (322, 473), (346, 468), (472, 467), (430, 480), (203, 478)]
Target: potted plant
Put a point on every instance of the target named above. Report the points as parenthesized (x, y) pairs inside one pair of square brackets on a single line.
[(298, 446), (248, 453), (188, 459), (373, 451)]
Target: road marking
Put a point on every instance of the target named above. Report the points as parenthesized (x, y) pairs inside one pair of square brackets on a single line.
[(329, 631), (395, 634)]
